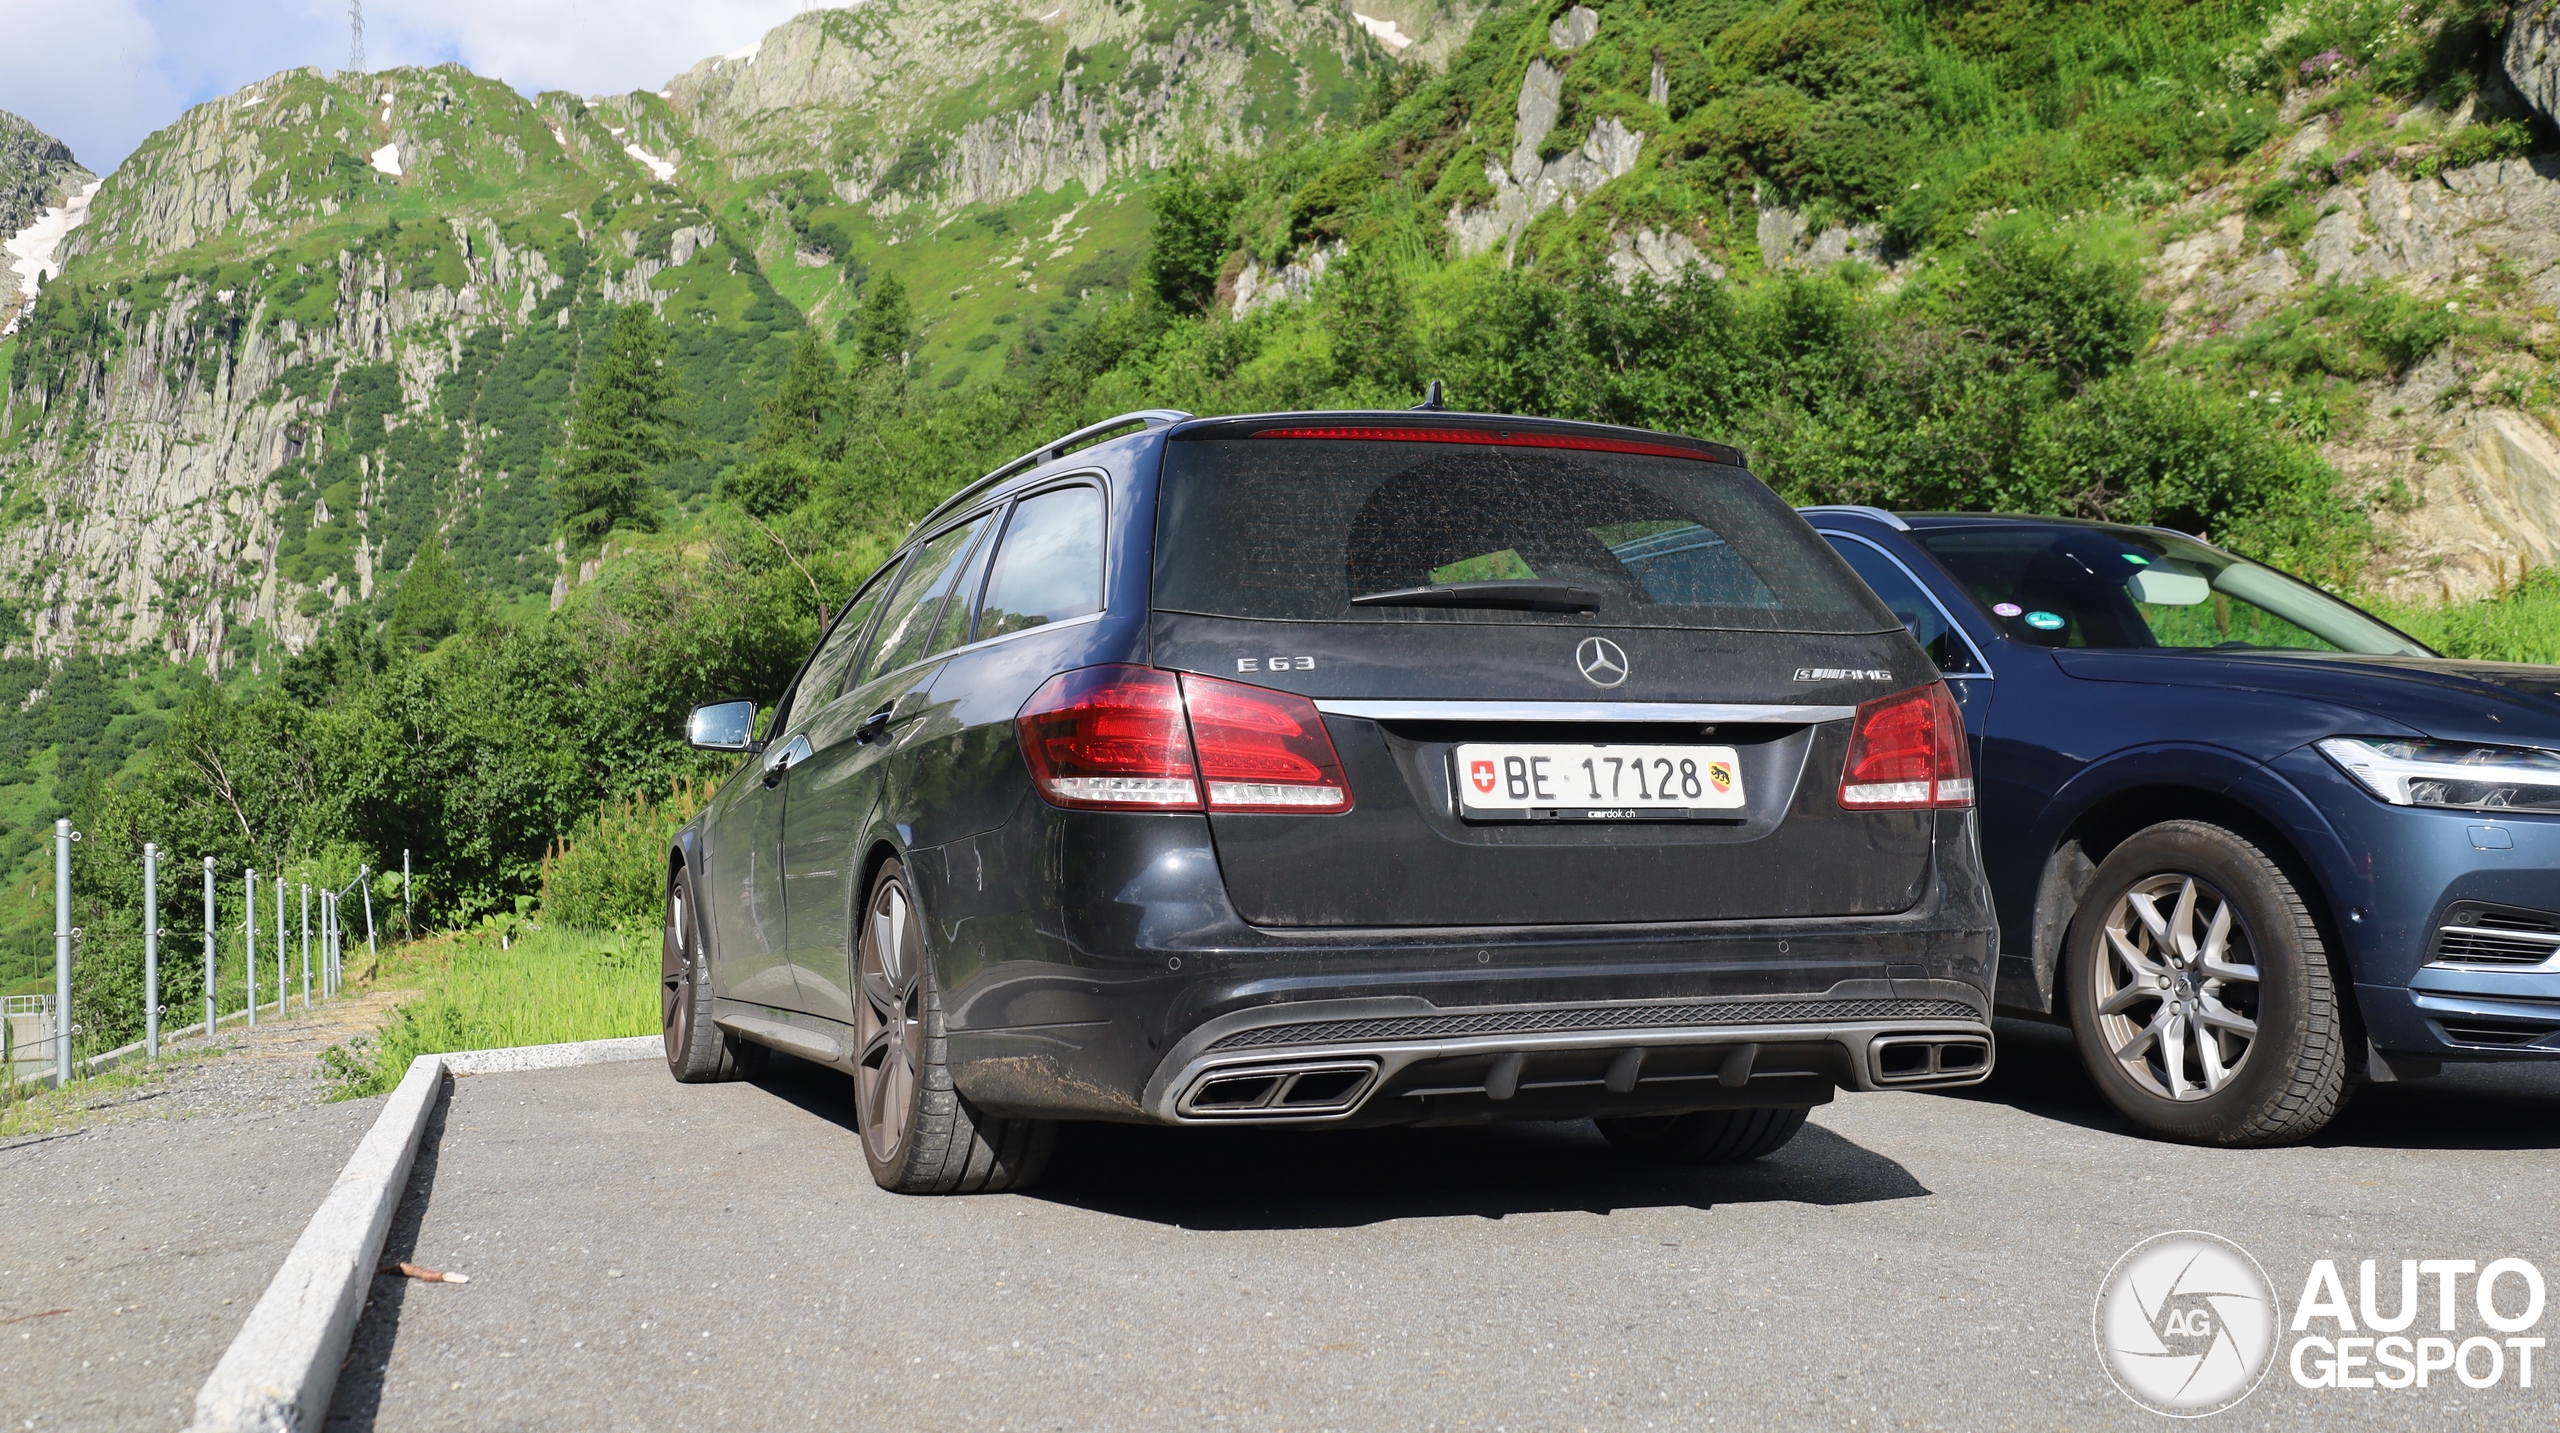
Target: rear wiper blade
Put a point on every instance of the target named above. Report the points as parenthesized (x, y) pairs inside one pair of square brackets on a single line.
[(1514, 595)]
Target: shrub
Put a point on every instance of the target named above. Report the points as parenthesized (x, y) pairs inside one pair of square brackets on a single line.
[(2150, 447), (2047, 301), (610, 873)]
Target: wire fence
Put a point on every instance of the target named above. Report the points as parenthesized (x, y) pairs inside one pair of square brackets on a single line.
[(264, 942)]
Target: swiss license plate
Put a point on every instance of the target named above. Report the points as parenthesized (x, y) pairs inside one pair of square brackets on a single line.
[(1553, 781)]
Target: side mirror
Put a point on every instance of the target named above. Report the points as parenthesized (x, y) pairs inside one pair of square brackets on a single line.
[(722, 726)]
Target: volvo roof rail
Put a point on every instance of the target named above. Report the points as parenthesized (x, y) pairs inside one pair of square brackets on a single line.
[(1147, 418), (1859, 510)]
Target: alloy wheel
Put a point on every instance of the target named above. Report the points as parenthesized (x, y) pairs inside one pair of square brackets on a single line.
[(675, 974), (889, 1021), (2177, 987)]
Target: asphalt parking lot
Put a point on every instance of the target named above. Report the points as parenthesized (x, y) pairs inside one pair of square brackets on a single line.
[(648, 1255)]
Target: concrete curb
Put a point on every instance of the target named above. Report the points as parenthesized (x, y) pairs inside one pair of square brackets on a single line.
[(554, 1057), (279, 1372)]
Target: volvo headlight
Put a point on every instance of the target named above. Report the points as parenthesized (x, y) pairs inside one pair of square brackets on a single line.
[(2450, 773)]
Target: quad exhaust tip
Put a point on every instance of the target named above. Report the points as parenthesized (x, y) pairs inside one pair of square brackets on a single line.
[(1930, 1059), (1315, 1088)]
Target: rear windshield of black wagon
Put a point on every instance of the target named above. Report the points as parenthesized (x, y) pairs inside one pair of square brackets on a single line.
[(1291, 529)]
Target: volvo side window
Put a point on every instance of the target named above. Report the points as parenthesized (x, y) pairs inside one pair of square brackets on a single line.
[(1049, 567), (1928, 625), (906, 625)]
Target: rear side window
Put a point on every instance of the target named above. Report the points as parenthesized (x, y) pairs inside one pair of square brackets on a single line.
[(837, 667), (907, 623), (1927, 624), (1050, 566), (1293, 529), (953, 627)]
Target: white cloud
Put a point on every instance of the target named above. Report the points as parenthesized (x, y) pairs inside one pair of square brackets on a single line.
[(87, 74), (103, 74)]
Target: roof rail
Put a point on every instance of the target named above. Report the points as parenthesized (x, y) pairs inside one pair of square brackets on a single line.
[(1860, 510), (1149, 418)]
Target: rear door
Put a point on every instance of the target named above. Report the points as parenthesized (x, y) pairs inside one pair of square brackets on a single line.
[(1694, 625), (833, 792)]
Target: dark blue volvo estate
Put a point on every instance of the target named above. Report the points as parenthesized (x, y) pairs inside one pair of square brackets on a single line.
[(2252, 843), (1349, 769)]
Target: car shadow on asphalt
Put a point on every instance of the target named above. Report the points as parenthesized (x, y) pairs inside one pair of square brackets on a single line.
[(2469, 1106), (1233, 1179)]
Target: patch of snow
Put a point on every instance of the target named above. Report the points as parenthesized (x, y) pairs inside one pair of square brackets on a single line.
[(35, 252), (665, 169), (666, 94), (1384, 31), (559, 134), (746, 56), (387, 159), (1052, 15)]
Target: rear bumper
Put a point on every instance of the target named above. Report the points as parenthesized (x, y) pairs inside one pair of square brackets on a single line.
[(1115, 1008), (1407, 1061)]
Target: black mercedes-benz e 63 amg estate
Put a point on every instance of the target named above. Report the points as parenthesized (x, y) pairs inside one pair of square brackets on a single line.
[(1342, 769)]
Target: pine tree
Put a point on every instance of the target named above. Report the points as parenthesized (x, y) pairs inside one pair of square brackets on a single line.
[(621, 431), (432, 603), (800, 435), (886, 326)]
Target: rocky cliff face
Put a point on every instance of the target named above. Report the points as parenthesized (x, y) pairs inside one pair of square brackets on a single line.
[(954, 102), (295, 333), (297, 341), (40, 186), (37, 173)]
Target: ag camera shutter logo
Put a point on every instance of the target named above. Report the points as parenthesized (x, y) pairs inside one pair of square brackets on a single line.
[(2186, 1323)]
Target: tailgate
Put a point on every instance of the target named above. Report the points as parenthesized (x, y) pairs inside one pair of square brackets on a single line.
[(1490, 612)]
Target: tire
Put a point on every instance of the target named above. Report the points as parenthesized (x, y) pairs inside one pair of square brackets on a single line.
[(698, 1052), (1703, 1136), (919, 1134), (2201, 994)]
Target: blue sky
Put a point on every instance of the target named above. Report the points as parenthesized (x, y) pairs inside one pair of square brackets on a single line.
[(103, 74)]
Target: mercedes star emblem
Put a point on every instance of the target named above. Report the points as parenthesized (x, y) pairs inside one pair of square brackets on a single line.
[(1603, 662)]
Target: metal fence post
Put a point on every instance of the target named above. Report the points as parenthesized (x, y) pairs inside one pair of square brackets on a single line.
[(208, 947), (369, 952), (306, 945), (62, 953), (284, 988), (151, 950), (408, 914), (249, 967)]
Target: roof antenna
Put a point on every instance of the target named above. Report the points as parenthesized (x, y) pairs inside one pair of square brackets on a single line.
[(1431, 400)]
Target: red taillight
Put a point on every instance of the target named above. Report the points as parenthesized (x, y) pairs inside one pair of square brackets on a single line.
[(1116, 739), (1907, 753), (1262, 750), (1111, 739)]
